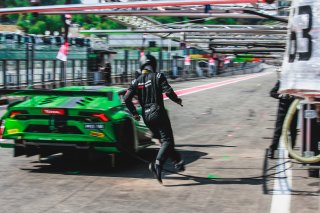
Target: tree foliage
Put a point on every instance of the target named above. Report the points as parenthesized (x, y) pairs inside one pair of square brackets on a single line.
[(38, 24)]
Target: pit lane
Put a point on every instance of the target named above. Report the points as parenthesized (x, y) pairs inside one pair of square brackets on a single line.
[(222, 134)]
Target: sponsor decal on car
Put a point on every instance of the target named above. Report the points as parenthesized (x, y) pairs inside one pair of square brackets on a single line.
[(97, 134), (12, 131)]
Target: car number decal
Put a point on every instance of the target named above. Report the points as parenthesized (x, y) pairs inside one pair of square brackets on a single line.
[(94, 126)]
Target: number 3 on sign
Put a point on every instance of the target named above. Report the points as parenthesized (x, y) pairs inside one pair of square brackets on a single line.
[(300, 39)]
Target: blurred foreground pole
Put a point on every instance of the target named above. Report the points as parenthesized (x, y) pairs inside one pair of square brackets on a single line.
[(64, 50)]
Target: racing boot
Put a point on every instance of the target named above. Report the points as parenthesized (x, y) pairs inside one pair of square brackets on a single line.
[(156, 170), (180, 166)]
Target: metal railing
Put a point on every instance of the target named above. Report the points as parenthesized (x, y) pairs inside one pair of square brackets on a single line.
[(21, 73), (50, 73)]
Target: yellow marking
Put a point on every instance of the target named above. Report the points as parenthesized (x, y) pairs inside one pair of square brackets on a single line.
[(12, 131), (97, 134)]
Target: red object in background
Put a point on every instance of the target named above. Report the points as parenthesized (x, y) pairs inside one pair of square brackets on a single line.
[(2, 126), (63, 52), (120, 5), (187, 60), (227, 60), (211, 61)]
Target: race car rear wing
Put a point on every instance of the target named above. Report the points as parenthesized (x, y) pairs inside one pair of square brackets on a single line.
[(78, 93)]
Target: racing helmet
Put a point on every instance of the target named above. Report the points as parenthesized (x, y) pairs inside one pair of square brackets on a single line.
[(148, 62)]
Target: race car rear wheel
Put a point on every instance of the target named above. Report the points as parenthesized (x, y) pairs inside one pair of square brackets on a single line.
[(125, 136)]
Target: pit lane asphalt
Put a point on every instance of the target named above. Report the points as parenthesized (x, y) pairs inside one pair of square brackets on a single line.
[(222, 133)]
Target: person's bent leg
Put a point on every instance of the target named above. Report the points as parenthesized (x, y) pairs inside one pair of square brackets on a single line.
[(157, 166), (167, 149)]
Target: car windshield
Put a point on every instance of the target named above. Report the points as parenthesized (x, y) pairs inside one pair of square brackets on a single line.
[(110, 96)]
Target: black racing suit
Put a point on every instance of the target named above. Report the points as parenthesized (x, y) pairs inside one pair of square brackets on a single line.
[(150, 88), (284, 104)]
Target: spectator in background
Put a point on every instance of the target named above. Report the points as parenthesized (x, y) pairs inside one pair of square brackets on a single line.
[(285, 101), (107, 73), (212, 67), (244, 64)]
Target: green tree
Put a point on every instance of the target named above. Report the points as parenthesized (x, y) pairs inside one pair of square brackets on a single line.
[(38, 28), (52, 2), (110, 24), (14, 3), (11, 3), (54, 23)]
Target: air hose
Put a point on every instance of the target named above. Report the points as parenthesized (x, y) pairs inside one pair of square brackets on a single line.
[(285, 129)]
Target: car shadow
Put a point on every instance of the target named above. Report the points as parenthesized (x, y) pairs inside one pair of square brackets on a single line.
[(202, 145), (128, 167), (100, 164)]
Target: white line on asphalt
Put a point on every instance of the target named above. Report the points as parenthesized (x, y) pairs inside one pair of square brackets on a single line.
[(281, 198), (200, 88)]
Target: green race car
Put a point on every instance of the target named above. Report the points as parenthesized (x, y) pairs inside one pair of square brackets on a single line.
[(87, 118)]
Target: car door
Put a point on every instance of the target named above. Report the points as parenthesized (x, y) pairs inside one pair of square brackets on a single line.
[(143, 132)]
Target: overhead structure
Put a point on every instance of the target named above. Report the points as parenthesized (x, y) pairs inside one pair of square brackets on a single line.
[(205, 43), (190, 30), (192, 14), (123, 5), (134, 14), (137, 23), (248, 50)]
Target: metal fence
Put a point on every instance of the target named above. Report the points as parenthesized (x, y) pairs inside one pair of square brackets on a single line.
[(49, 73), (20, 73), (22, 66)]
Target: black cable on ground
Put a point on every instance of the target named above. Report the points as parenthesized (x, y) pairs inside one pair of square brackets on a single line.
[(265, 16)]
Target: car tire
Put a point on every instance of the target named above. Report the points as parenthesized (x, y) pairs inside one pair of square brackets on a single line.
[(126, 141)]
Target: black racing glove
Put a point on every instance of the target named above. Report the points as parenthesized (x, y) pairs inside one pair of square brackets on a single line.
[(179, 101)]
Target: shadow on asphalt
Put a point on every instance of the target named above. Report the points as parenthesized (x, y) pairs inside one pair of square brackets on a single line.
[(132, 168), (100, 164), (201, 145), (269, 173)]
